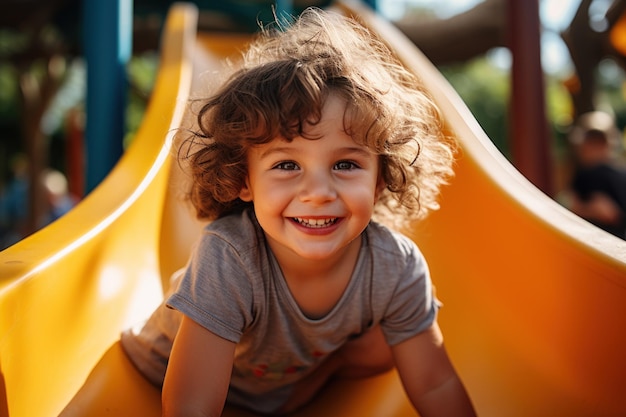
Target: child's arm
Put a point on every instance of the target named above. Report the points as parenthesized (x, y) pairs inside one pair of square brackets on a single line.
[(198, 372), (428, 377)]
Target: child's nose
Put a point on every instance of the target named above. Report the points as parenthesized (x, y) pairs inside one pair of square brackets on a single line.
[(317, 187)]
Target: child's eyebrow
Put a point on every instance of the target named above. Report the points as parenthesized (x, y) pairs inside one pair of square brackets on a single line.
[(350, 150), (362, 151), (277, 149)]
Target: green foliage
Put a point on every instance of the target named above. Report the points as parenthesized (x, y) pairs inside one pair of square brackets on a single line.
[(485, 90), (142, 70), (12, 42), (559, 109), (9, 93), (611, 91)]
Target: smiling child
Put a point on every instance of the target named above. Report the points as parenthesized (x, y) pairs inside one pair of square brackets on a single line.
[(301, 156)]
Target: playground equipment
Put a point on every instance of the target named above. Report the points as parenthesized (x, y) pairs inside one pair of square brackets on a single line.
[(534, 297)]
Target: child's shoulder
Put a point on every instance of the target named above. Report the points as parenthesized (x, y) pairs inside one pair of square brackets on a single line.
[(396, 258), (237, 228), (392, 242)]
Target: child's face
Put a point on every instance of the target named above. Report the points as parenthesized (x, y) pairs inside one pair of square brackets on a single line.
[(313, 197)]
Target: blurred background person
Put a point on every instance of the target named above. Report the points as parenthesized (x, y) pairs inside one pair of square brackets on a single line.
[(597, 190), (14, 204)]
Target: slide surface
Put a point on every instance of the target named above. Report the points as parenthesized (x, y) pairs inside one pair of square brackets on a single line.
[(534, 297)]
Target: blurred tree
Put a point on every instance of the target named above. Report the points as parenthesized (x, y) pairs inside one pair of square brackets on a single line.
[(474, 81), (38, 57), (458, 38), (591, 39), (597, 33)]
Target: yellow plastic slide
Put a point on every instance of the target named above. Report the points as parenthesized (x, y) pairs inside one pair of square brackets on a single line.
[(534, 297)]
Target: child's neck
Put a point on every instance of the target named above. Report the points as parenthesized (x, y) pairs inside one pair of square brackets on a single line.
[(318, 285)]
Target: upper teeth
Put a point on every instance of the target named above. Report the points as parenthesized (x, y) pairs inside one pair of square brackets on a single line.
[(316, 222)]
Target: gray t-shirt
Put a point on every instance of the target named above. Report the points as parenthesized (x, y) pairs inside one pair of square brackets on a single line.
[(234, 287)]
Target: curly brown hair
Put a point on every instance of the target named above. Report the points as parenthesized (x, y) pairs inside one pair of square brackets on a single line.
[(286, 75)]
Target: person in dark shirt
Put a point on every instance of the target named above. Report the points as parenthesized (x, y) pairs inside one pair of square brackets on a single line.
[(598, 186)]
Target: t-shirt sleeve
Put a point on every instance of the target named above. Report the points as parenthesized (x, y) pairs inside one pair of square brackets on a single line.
[(413, 306), (216, 291)]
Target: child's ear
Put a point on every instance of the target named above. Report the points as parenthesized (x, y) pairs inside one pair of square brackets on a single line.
[(245, 194), (380, 187)]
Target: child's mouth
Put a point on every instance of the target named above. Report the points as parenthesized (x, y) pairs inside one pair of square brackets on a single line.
[(315, 223)]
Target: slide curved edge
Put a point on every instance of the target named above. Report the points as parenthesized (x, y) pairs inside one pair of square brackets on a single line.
[(480, 151)]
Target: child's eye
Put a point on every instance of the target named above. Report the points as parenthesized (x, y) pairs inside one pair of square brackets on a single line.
[(345, 165), (287, 166)]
